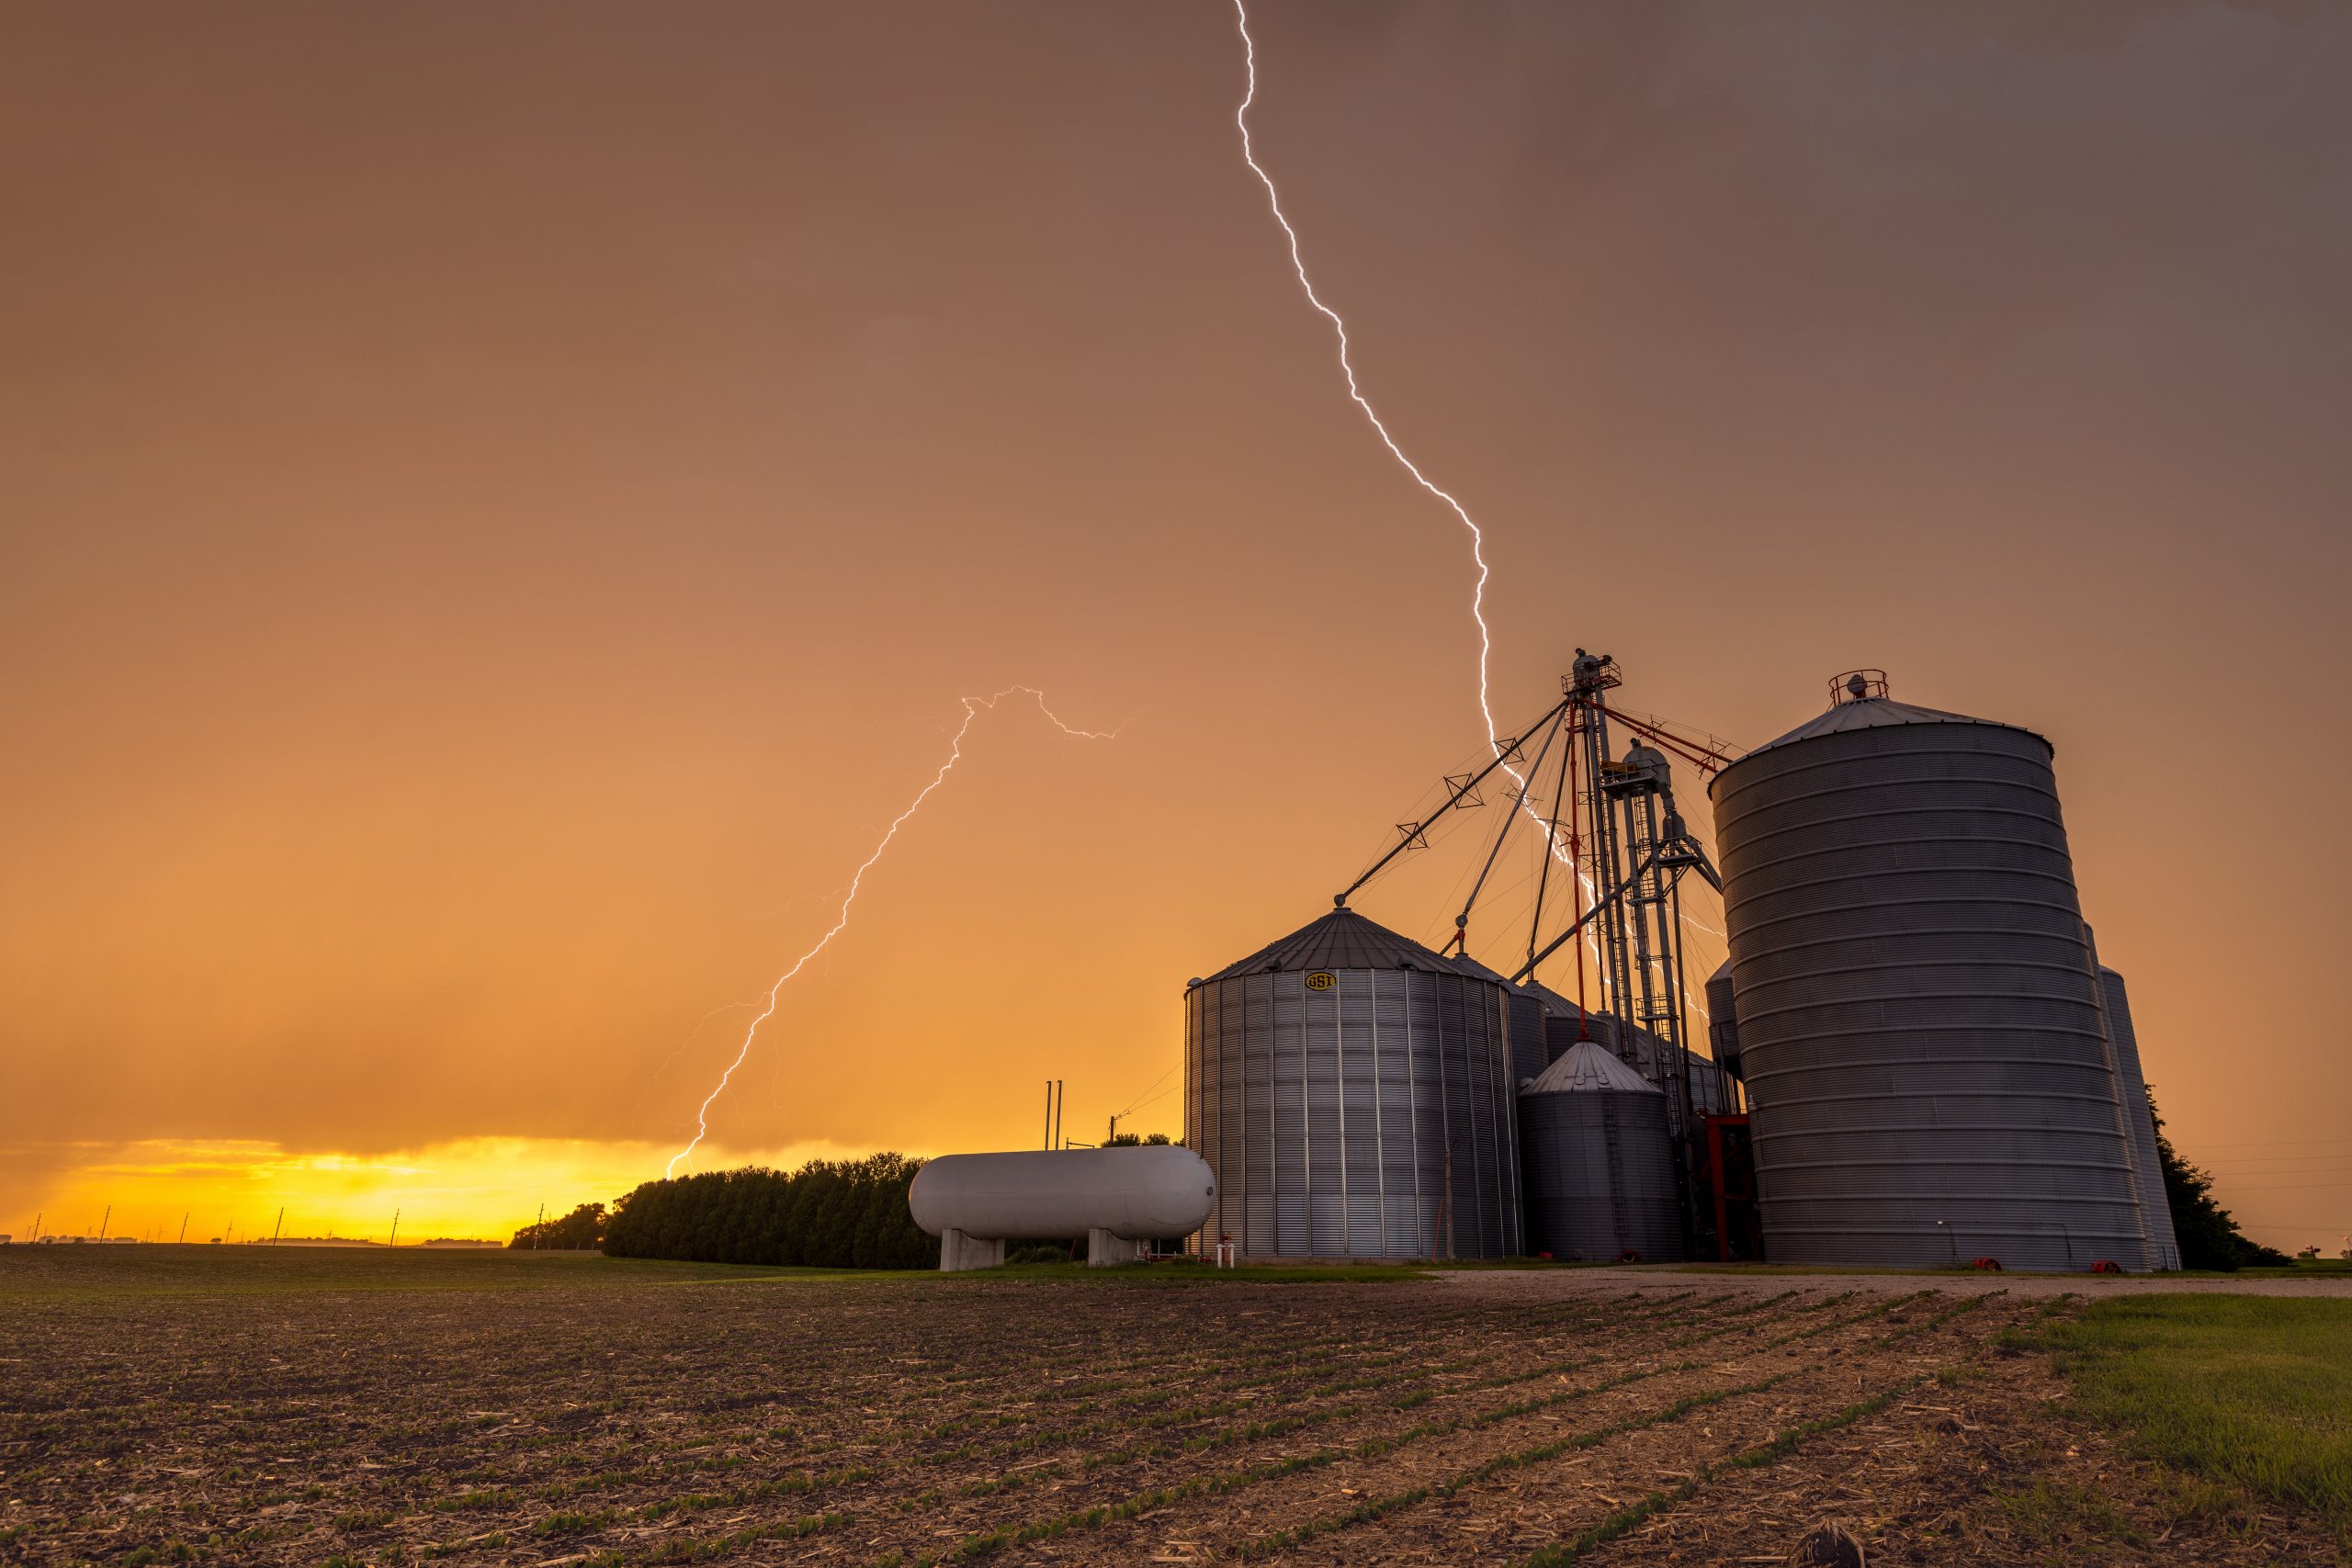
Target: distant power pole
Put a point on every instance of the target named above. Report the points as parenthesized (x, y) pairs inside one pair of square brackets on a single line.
[(105, 1221), (396, 1229), (279, 1226)]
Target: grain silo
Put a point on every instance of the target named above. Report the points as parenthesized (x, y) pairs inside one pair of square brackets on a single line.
[(1722, 1019), (2140, 1124), (1353, 1091), (1919, 1013), (1526, 1019), (1598, 1161), (1556, 1016)]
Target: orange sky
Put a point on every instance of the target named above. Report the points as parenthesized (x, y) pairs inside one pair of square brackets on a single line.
[(502, 506)]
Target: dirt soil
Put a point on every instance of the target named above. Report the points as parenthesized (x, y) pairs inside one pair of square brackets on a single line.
[(646, 1417)]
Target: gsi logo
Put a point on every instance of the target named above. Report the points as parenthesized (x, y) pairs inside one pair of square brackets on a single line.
[(1321, 980)]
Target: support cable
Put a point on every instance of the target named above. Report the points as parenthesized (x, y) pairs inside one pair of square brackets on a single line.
[(1461, 920)]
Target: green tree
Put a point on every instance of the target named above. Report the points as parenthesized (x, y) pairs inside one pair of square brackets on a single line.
[(829, 1213)]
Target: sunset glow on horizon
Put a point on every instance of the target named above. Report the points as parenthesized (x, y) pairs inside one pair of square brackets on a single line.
[(472, 1189)]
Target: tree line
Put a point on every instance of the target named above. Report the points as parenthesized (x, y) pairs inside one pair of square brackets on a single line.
[(827, 1214)]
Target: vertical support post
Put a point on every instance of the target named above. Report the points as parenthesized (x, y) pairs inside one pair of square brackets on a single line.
[(1552, 844), (184, 1229), (104, 1223), (396, 1230), (280, 1225)]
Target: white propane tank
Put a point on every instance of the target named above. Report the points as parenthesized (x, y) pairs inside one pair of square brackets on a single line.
[(1157, 1191)]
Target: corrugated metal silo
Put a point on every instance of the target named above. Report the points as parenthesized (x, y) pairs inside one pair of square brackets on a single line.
[(1722, 1019), (2164, 1246), (1529, 1037), (1599, 1162), (1353, 1090), (1561, 1016), (1527, 1056), (1918, 1019)]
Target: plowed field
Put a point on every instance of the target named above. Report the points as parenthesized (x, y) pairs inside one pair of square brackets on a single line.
[(580, 1412)]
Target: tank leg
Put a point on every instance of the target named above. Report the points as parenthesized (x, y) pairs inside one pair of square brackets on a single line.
[(959, 1252), (1104, 1250)]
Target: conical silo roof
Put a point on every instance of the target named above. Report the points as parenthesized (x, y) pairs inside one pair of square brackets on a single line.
[(1470, 965), (1340, 940), (1877, 712), (1586, 1068)]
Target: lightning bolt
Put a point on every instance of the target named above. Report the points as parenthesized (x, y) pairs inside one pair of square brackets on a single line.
[(973, 708), (1348, 369), (1379, 428)]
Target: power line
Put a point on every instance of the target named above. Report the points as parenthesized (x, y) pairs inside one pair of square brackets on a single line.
[(1140, 1102)]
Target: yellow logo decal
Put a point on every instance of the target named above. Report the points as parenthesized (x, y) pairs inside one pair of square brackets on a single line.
[(1321, 980)]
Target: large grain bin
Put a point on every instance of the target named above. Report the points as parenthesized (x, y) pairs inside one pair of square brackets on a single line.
[(1353, 1091), (1599, 1160), (1919, 1020)]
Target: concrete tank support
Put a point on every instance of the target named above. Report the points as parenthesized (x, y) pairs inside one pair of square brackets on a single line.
[(1105, 1250), (959, 1252)]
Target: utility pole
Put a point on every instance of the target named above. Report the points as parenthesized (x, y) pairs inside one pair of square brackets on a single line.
[(1057, 1114), (1049, 1114), (105, 1221), (279, 1226), (1113, 1135), (396, 1230)]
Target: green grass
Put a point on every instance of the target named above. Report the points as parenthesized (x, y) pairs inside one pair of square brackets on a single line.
[(2321, 1267), (2252, 1390), (2301, 1268)]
